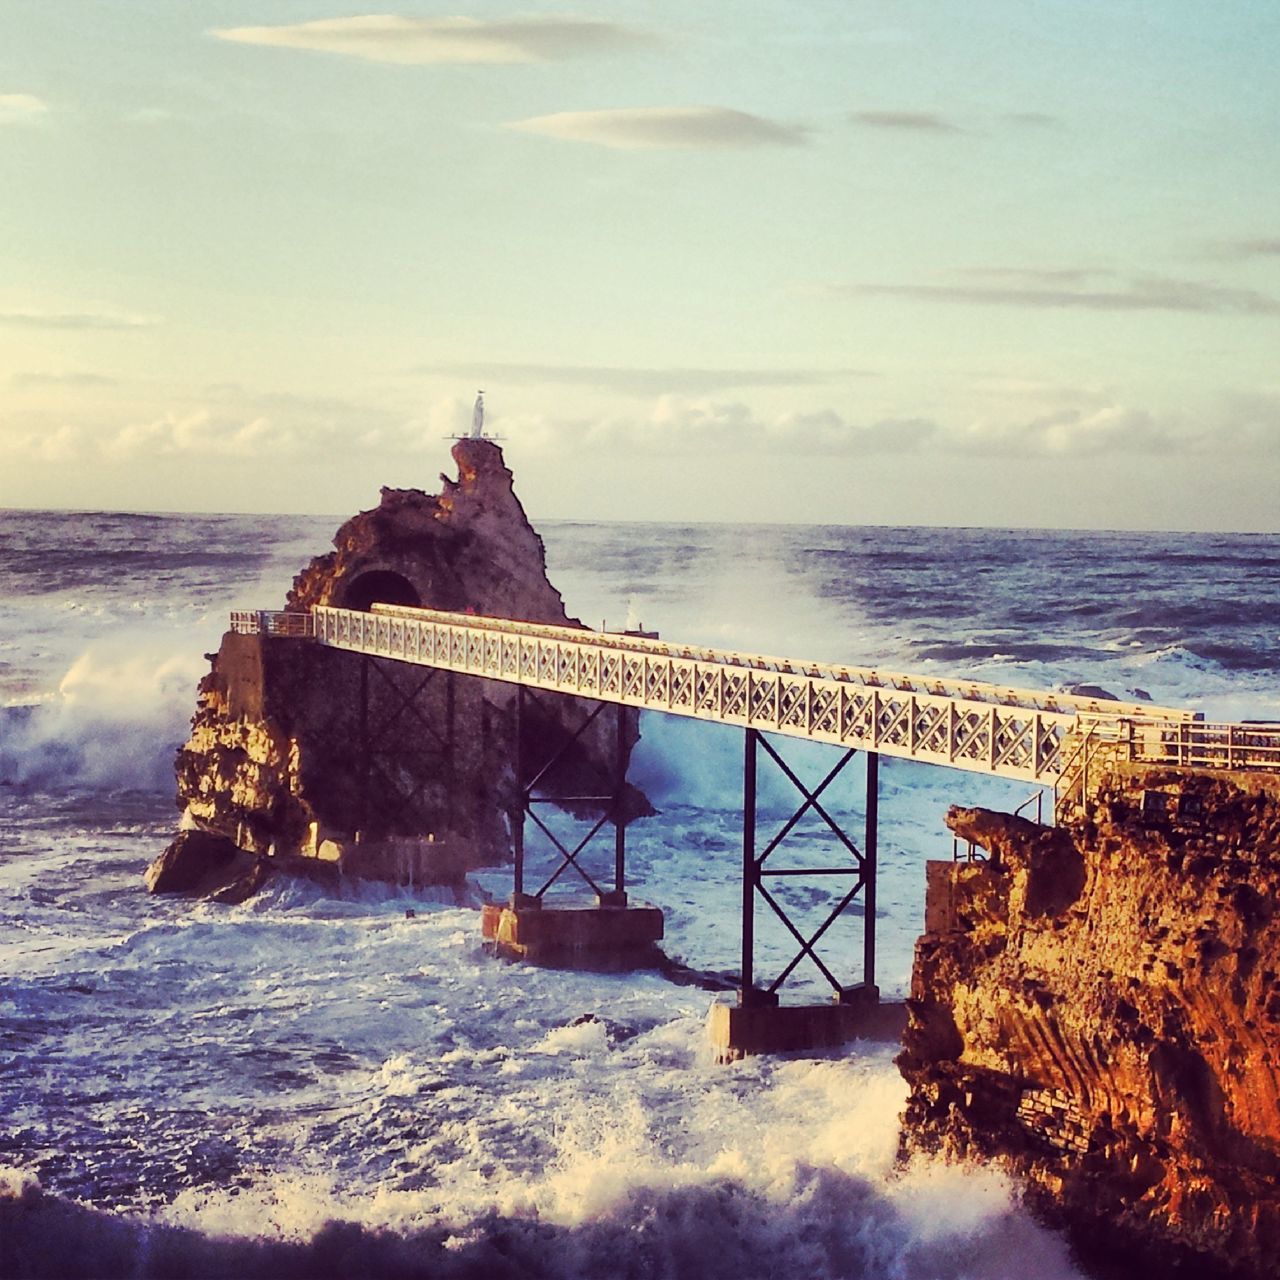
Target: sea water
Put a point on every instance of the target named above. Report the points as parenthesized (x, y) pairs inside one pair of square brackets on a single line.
[(213, 1088)]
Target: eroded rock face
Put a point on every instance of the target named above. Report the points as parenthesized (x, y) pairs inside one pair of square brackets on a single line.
[(1096, 1008), (371, 766), (469, 547)]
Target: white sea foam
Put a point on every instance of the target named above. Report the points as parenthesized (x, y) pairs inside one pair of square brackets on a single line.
[(118, 716)]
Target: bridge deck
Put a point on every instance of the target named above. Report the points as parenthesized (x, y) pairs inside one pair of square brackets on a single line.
[(960, 724), (964, 724)]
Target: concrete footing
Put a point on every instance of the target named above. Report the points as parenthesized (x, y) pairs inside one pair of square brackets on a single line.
[(740, 1030), (593, 934)]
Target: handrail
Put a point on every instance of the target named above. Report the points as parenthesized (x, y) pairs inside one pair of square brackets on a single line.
[(272, 622), (1036, 798), (1208, 745), (964, 724), (872, 677), (1011, 741)]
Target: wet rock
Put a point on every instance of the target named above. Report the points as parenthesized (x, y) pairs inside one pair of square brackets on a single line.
[(243, 887), (189, 862), (1091, 691), (1095, 1009)]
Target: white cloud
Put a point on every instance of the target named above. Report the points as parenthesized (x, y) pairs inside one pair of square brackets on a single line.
[(61, 445), (645, 382), (16, 107), (664, 128), (677, 424), (1013, 420), (1091, 427), (1110, 429), (423, 41), (75, 320), (235, 424), (203, 434), (1065, 291)]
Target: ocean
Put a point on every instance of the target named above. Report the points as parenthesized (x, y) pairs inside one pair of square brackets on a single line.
[(319, 1082)]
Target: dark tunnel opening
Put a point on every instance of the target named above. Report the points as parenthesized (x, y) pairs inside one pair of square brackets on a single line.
[(379, 586)]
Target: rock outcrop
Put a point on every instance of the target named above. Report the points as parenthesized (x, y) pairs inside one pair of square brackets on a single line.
[(378, 768), (1095, 1007)]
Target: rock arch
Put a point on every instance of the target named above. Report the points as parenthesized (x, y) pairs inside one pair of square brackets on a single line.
[(379, 586)]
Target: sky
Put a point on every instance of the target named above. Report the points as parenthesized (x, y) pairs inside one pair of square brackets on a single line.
[(1014, 262)]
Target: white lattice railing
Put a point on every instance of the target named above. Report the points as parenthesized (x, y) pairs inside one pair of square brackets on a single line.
[(1012, 741), (984, 728), (872, 677)]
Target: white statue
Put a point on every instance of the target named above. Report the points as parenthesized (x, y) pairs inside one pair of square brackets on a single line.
[(477, 417)]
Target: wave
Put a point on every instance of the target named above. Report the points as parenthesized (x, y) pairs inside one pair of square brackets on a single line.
[(822, 1223), (115, 722)]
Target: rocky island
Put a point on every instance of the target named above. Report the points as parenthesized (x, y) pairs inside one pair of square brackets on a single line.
[(311, 759)]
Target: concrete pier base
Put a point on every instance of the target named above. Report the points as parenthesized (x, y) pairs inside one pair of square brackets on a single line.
[(591, 934), (740, 1030)]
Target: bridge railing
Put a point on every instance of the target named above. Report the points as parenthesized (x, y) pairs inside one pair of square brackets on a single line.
[(929, 719), (872, 677), (272, 622), (1012, 741), (1206, 746)]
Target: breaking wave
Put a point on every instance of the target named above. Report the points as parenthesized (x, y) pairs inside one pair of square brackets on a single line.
[(605, 1219), (114, 721)]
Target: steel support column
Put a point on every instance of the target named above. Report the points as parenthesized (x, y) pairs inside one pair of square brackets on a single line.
[(860, 866), (529, 777), (522, 805), (619, 808), (366, 749), (747, 992), (869, 870)]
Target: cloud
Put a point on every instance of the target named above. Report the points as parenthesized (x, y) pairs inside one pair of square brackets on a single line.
[(1033, 119), (701, 425), (643, 382), (16, 107), (75, 320), (655, 128), (1013, 419), (906, 121), (237, 424), (1067, 423), (62, 444), (201, 433), (1110, 429), (1261, 247), (1038, 276), (1053, 291), (428, 41), (23, 381)]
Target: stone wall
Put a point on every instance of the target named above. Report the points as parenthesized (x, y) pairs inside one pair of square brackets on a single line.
[(1095, 1007)]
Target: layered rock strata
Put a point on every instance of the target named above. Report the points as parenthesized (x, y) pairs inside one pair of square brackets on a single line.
[(1095, 1007), (379, 768)]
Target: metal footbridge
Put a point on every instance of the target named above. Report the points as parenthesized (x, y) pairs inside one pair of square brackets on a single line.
[(961, 724), (1044, 738)]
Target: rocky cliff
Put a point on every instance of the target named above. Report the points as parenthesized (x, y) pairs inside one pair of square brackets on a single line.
[(1095, 1007), (298, 751)]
